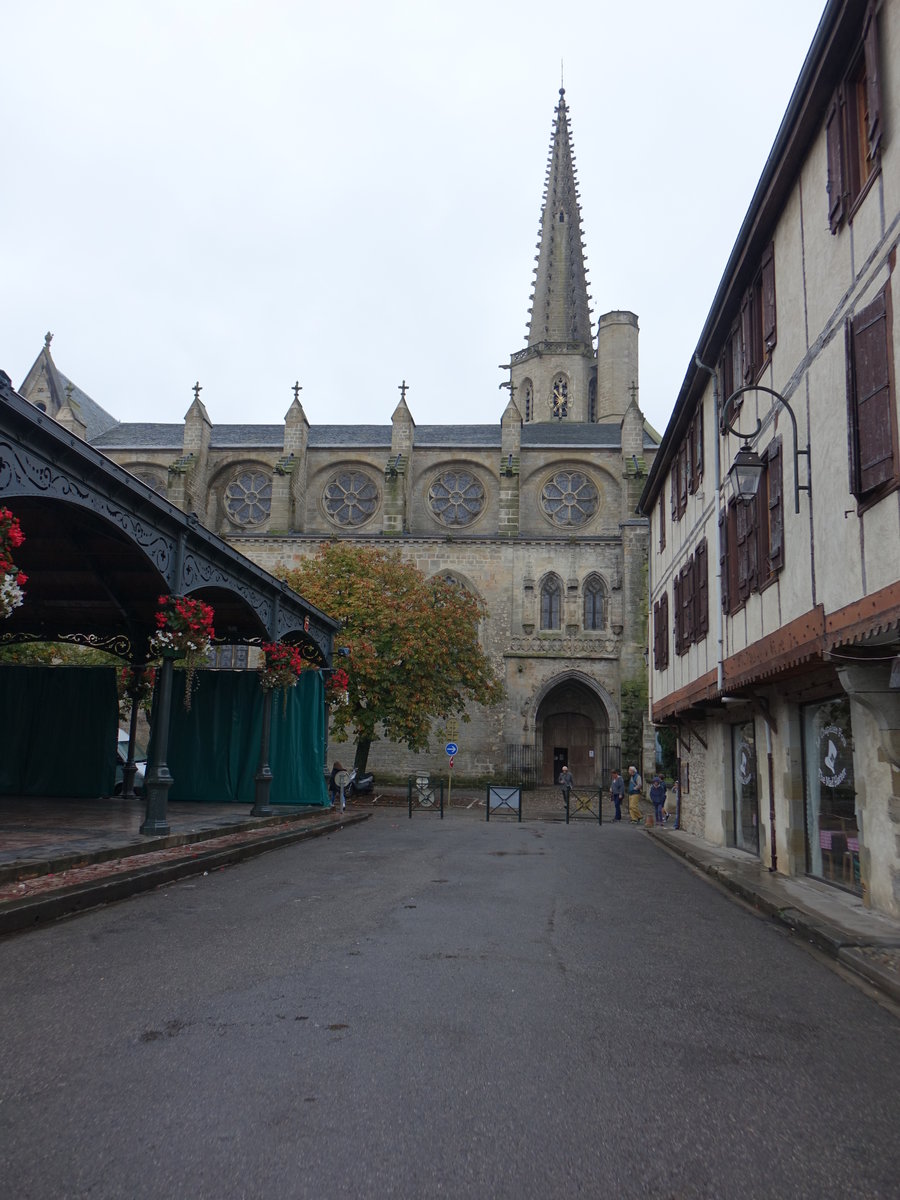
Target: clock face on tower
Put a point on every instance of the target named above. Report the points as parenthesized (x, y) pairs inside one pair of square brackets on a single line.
[(559, 399)]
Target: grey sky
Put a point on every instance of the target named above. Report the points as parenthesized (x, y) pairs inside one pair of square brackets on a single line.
[(248, 193)]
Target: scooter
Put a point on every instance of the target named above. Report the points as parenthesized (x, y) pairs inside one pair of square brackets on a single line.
[(359, 785)]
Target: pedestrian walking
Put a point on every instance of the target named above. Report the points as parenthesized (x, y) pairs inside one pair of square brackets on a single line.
[(635, 791), (617, 792), (658, 796), (566, 782), (333, 790)]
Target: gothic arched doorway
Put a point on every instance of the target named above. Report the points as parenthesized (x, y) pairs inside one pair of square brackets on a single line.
[(572, 727)]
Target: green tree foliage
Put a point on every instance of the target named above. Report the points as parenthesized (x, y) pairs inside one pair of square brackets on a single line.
[(414, 652)]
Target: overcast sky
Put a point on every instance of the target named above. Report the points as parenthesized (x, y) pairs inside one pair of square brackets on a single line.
[(348, 194)]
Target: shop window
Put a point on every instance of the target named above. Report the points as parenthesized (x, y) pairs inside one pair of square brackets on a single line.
[(661, 632), (871, 412), (853, 127), (746, 791), (551, 598), (832, 833)]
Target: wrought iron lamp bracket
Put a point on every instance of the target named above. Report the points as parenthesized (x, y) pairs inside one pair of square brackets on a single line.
[(728, 427)]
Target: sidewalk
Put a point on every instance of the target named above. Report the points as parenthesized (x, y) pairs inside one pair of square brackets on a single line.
[(62, 857), (833, 920)]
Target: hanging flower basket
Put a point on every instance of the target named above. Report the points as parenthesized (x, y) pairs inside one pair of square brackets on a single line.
[(184, 629), (282, 668), (337, 687), (12, 580), (135, 688)]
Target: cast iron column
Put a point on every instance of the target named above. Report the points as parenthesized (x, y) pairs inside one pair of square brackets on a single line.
[(261, 806), (159, 780), (130, 769)]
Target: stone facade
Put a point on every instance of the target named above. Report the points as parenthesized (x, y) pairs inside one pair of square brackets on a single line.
[(534, 514)]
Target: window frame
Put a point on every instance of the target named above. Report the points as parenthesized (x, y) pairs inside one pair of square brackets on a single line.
[(879, 312), (594, 588), (551, 588)]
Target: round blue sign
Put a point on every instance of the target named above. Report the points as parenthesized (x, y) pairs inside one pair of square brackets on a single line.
[(451, 748)]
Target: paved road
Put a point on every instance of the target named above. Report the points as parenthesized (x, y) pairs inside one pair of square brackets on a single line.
[(441, 1009)]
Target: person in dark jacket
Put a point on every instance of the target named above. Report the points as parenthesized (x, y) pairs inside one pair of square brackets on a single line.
[(617, 793)]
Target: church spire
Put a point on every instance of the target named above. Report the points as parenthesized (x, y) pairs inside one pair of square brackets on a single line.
[(560, 310)]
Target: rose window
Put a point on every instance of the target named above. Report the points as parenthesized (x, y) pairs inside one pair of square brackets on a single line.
[(248, 498), (350, 498), (456, 498), (569, 498)]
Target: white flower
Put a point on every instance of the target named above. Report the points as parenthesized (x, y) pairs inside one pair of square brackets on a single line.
[(11, 595)]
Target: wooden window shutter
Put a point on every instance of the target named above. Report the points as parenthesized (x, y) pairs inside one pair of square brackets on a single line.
[(656, 638), (687, 603), (701, 591), (748, 366), (662, 521), (834, 142), (689, 459), (753, 545), (741, 512), (674, 485), (682, 478), (769, 322), (724, 549), (873, 86), (676, 604), (698, 446), (775, 475), (871, 397), (664, 629)]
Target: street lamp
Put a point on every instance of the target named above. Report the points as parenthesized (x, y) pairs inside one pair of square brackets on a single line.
[(747, 468), (745, 473)]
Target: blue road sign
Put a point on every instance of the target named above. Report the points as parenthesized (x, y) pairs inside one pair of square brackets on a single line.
[(451, 748)]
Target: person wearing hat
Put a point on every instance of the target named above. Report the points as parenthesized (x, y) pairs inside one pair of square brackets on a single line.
[(658, 796)]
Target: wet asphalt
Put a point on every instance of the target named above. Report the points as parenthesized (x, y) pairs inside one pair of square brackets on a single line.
[(434, 1008)]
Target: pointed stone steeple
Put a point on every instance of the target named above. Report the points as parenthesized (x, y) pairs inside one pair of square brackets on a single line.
[(560, 311), (555, 375)]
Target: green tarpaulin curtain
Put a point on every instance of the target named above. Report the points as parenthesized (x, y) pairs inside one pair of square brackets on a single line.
[(58, 730), (213, 752)]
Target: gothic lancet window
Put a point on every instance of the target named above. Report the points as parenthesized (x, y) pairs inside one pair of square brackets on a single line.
[(551, 602), (527, 399), (594, 603)]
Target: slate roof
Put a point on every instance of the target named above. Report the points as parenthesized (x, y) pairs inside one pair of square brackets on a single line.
[(458, 435), (350, 435), (606, 436), (140, 435), (96, 419)]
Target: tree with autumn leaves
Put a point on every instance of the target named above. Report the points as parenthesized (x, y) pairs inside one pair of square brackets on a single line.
[(415, 657)]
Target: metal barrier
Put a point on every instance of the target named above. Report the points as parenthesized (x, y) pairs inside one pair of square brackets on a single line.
[(425, 795), (580, 800), (500, 798)]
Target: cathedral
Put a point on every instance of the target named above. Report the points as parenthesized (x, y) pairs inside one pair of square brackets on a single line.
[(535, 514)]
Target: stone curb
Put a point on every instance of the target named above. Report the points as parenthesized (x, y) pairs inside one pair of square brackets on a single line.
[(10, 872), (846, 948), (19, 915)]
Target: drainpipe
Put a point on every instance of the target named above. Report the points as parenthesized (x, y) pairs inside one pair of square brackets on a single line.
[(717, 471)]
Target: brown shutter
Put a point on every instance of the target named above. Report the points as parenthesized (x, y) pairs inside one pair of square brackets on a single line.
[(769, 323), (748, 366), (687, 603), (698, 447), (834, 141), (674, 486), (656, 639), (701, 591), (682, 478), (753, 544), (662, 521), (741, 512), (871, 400), (676, 604), (689, 459), (775, 472), (664, 629), (723, 558), (873, 86)]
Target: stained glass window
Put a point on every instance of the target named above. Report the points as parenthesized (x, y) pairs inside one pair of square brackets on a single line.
[(569, 498), (248, 498), (456, 498), (350, 498)]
